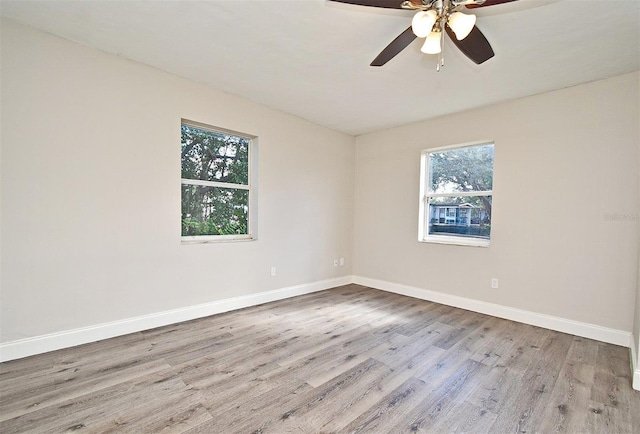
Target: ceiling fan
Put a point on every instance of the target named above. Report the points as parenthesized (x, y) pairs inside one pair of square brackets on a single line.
[(435, 17)]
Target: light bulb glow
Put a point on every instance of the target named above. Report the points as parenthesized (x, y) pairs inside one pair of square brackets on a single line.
[(432, 43), (461, 24), (423, 22)]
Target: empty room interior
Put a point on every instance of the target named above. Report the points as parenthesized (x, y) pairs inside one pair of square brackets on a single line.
[(232, 217)]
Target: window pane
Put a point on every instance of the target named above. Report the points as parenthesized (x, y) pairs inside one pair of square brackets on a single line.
[(214, 210), (213, 156), (468, 216), (462, 169)]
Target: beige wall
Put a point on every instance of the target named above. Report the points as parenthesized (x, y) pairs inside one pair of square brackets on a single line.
[(90, 197), (564, 240), (91, 191)]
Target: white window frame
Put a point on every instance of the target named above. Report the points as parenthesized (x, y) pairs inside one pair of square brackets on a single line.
[(423, 213), (252, 223)]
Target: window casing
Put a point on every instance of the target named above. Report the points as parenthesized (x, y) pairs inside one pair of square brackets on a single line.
[(218, 193), (456, 191)]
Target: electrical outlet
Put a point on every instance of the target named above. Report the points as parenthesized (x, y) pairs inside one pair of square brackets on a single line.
[(273, 271), (342, 262), (335, 262), (494, 283)]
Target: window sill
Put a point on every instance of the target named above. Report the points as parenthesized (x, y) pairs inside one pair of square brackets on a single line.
[(211, 239), (458, 241)]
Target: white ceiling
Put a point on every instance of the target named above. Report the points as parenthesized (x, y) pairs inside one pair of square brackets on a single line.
[(311, 57)]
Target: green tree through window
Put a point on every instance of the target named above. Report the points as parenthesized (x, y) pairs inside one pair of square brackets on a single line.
[(215, 182), (464, 169)]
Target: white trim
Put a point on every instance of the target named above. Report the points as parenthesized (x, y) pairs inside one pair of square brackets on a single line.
[(251, 186), (200, 239), (70, 338), (461, 194), (635, 367), (252, 219), (591, 331), (214, 129), (459, 241), (461, 145), (218, 184), (426, 193)]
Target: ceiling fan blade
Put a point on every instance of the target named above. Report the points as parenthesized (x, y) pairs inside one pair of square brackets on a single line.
[(475, 46), (396, 46), (390, 4), (488, 3)]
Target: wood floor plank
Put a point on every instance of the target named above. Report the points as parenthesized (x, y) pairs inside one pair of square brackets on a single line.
[(609, 388), (254, 413), (467, 418), (503, 382), (95, 407), (230, 397), (601, 418), (334, 400), (437, 405), (572, 388), (456, 354), (33, 398), (500, 337), (362, 398), (391, 411), (178, 414), (347, 359), (525, 409), (330, 362), (422, 340)]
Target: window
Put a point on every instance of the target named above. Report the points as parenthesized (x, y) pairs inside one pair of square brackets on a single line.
[(218, 197), (456, 185)]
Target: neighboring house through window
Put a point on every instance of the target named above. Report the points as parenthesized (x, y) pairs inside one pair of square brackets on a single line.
[(218, 177), (456, 190)]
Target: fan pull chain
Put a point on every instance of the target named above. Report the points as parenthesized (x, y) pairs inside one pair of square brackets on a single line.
[(441, 54)]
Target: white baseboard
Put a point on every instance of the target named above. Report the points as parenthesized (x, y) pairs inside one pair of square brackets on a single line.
[(635, 367), (70, 338), (591, 331)]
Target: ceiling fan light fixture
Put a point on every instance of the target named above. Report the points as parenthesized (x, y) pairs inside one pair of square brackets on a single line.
[(432, 45), (461, 24), (423, 22)]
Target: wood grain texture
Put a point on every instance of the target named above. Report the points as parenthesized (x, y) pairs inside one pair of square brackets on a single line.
[(346, 360)]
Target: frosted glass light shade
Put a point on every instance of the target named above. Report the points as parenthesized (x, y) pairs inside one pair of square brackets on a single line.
[(432, 43), (423, 22), (461, 24)]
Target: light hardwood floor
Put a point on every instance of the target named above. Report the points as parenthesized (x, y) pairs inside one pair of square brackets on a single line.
[(347, 360)]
